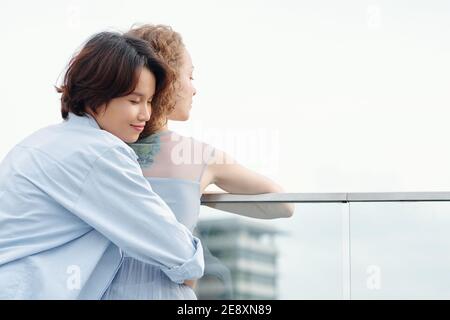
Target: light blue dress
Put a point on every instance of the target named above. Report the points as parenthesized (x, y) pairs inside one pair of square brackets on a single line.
[(173, 164)]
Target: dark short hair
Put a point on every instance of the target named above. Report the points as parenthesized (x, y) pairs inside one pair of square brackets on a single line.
[(107, 67)]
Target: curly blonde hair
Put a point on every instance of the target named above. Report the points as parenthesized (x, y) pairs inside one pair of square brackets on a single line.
[(169, 47)]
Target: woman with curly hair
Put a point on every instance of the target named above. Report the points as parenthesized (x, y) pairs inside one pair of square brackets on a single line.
[(180, 168)]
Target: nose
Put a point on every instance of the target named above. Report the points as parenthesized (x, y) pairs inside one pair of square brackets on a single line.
[(194, 92), (145, 112)]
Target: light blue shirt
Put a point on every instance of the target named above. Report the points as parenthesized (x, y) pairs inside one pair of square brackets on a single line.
[(72, 198)]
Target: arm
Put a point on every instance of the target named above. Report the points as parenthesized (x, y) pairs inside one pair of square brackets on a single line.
[(119, 202), (232, 177)]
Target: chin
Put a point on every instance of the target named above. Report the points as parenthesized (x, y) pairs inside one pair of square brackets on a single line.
[(181, 118), (131, 140), (185, 116)]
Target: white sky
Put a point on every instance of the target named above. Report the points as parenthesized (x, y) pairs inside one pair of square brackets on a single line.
[(339, 95)]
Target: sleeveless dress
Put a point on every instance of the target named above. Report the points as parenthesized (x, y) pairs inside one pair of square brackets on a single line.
[(173, 164)]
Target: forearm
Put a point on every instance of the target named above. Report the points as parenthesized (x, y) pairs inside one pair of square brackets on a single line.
[(257, 210), (234, 178), (239, 180)]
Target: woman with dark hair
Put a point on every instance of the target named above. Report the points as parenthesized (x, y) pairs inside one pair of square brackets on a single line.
[(72, 195)]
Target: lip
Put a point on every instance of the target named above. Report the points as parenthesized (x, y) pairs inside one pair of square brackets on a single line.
[(137, 128)]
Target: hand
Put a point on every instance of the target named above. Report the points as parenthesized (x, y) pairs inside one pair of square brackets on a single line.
[(190, 283)]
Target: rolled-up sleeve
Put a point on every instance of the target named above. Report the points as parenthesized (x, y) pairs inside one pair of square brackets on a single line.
[(119, 202)]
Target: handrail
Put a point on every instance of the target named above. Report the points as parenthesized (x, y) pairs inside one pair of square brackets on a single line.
[(325, 197)]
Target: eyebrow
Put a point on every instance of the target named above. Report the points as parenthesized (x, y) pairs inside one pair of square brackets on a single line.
[(136, 93)]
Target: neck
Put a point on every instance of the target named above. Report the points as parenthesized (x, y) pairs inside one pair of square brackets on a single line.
[(163, 128)]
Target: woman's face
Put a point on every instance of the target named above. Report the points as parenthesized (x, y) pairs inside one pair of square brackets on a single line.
[(185, 91), (125, 117)]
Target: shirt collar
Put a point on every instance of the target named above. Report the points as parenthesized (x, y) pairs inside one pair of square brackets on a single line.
[(86, 120)]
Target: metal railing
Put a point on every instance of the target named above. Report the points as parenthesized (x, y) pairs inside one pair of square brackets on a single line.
[(376, 234), (326, 197)]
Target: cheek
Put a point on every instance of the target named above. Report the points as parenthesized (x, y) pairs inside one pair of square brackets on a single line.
[(181, 110), (186, 88), (119, 114)]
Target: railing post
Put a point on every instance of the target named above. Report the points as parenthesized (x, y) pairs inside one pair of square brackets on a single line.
[(346, 252)]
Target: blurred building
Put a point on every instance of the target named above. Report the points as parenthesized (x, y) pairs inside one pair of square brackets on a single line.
[(240, 259)]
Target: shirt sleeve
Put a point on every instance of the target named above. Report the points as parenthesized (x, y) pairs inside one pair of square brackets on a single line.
[(119, 202)]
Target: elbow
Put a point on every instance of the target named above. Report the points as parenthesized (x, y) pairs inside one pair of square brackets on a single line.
[(287, 210), (280, 211), (290, 209)]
